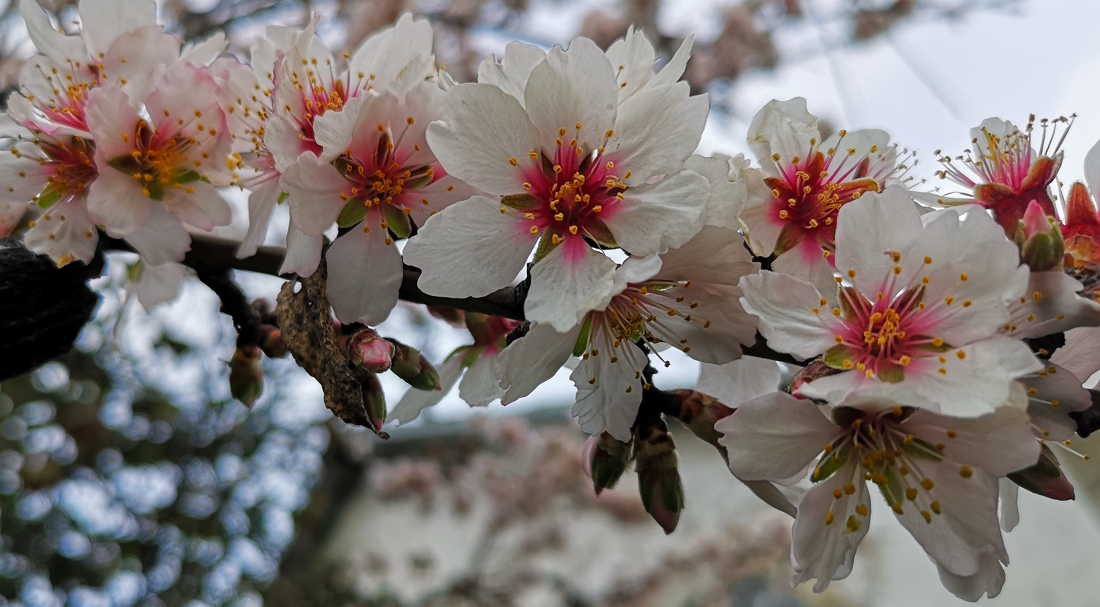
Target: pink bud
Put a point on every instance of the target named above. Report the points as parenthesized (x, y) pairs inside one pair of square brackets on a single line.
[(371, 351), (1035, 219)]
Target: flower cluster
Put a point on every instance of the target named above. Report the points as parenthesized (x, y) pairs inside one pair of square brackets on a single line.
[(569, 175)]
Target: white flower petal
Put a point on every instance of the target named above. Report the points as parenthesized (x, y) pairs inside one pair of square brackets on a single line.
[(314, 187), (741, 380), (569, 282), (481, 384), (485, 129), (202, 207), (116, 202), (469, 249), (987, 581), (510, 73), (785, 306), (65, 233), (1081, 354), (571, 87), (102, 21), (968, 525), (784, 128), (823, 546), (533, 359), (653, 219), (161, 239), (999, 443), (656, 130), (261, 206), (775, 436), (397, 57), (303, 253), (159, 284), (871, 227), (1010, 504), (728, 188), (364, 276), (609, 390)]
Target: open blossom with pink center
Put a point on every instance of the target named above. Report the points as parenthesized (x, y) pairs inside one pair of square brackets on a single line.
[(809, 179), (158, 163), (293, 80), (916, 313), (938, 474), (571, 169), (684, 299), (377, 179), (120, 47), (476, 365), (1004, 170)]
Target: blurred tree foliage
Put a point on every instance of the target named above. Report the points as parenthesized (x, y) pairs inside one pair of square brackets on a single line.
[(117, 489)]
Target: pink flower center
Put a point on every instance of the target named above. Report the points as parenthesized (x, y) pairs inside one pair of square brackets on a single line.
[(70, 168), (884, 336), (569, 195), (810, 191), (159, 160)]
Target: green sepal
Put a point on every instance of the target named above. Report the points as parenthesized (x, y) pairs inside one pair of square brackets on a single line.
[(830, 463), (520, 202), (397, 221), (352, 213), (890, 373), (836, 357), (918, 447), (582, 338)]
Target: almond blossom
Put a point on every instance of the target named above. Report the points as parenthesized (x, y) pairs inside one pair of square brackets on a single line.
[(570, 170), (293, 81), (1004, 171), (938, 474), (377, 179), (683, 299), (916, 312), (809, 179), (158, 163)]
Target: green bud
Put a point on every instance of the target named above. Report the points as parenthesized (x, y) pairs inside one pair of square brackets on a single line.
[(413, 368), (374, 399), (605, 460), (1043, 251), (658, 476), (1045, 478), (246, 376)]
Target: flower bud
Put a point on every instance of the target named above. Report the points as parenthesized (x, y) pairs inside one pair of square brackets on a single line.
[(374, 399), (246, 376), (605, 460), (370, 351), (411, 366), (272, 342), (1041, 246), (658, 476), (1045, 478), (700, 412)]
